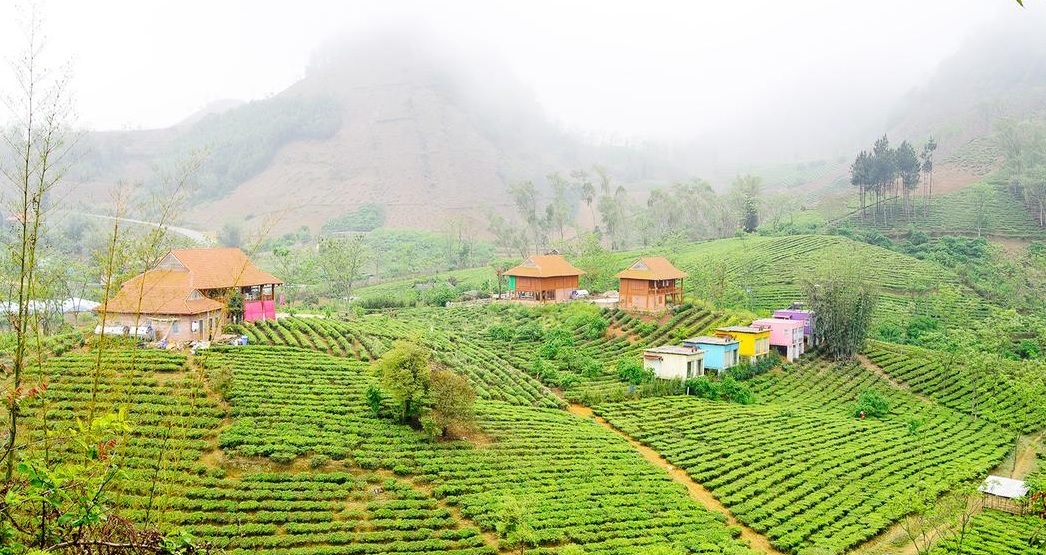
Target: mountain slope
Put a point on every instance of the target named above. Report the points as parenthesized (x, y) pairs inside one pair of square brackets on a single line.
[(394, 119)]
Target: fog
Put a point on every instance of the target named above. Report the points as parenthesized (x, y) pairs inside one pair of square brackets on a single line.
[(615, 71)]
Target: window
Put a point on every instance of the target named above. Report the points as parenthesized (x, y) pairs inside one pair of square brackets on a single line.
[(174, 326)]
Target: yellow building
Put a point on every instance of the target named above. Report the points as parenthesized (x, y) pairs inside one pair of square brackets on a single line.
[(754, 341)]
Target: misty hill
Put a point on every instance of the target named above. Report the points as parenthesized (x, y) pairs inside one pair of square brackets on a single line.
[(999, 71), (424, 130)]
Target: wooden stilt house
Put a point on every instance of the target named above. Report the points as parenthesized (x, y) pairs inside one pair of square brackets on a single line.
[(543, 278), (650, 284)]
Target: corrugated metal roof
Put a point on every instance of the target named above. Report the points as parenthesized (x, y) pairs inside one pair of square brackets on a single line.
[(710, 340), (673, 350), (1000, 486)]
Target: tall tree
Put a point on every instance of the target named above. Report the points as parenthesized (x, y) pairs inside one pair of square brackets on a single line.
[(558, 213), (452, 398), (908, 168), (926, 156), (843, 303), (587, 190), (525, 197), (884, 169), (746, 192), (406, 374), (39, 143), (862, 176), (341, 261)]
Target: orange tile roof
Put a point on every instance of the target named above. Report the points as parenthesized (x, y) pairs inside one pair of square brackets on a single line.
[(220, 268), (159, 292), (651, 268), (169, 288), (546, 265)]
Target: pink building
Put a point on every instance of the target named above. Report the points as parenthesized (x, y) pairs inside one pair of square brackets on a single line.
[(797, 312), (185, 297), (786, 335)]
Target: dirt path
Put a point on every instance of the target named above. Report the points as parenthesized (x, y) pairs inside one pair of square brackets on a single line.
[(894, 541), (871, 367), (697, 492)]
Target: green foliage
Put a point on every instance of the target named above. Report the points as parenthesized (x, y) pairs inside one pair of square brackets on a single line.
[(406, 375), (728, 389), (843, 303), (500, 332), (871, 403), (632, 372), (633, 505), (367, 217), (587, 319), (822, 473), (747, 370), (451, 404), (374, 398), (556, 339), (241, 142)]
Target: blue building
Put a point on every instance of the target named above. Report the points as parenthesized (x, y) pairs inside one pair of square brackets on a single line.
[(721, 351)]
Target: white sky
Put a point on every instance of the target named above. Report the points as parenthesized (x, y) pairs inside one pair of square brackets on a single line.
[(660, 69)]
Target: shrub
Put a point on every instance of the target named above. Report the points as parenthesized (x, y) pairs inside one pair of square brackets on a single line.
[(319, 461), (633, 372), (872, 403), (283, 457)]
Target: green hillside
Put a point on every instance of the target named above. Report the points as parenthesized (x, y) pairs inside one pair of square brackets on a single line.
[(761, 274), (982, 209)]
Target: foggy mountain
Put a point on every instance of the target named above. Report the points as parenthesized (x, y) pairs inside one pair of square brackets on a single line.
[(393, 119), (432, 132)]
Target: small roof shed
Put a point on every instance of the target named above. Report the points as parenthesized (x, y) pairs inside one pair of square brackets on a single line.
[(1004, 493)]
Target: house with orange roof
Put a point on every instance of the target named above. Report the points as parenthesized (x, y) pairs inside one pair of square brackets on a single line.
[(650, 284), (185, 296), (543, 278)]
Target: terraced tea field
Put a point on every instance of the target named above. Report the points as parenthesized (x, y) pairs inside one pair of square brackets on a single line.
[(799, 467), (984, 208), (303, 467), (997, 533), (927, 373), (766, 273)]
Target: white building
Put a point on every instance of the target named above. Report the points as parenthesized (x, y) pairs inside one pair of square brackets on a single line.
[(670, 362)]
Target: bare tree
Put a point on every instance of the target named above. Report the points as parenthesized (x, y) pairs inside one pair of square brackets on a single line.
[(37, 159)]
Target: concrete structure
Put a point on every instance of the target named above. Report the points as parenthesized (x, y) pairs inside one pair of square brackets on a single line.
[(786, 335), (808, 317), (754, 340), (1004, 494), (721, 351), (184, 298), (543, 278), (650, 284), (670, 362)]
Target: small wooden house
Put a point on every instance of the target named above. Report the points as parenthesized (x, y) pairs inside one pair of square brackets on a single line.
[(721, 351), (184, 297), (754, 340), (671, 362), (809, 319), (650, 284), (543, 278), (1004, 494), (785, 335)]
